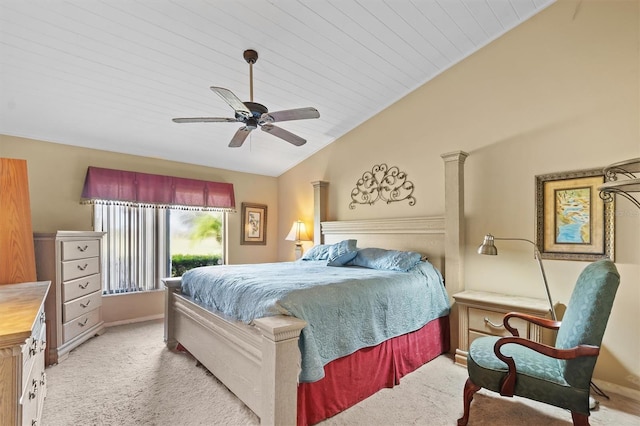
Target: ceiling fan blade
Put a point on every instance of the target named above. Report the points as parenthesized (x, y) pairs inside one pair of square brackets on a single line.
[(289, 114), (238, 106), (205, 120), (240, 136), (283, 134)]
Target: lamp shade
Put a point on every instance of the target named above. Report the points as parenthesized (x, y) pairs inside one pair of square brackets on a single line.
[(298, 232), (488, 246)]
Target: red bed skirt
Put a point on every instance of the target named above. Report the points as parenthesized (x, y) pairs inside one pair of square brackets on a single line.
[(353, 378)]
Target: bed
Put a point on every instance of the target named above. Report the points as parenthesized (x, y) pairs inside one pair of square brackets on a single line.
[(260, 362)]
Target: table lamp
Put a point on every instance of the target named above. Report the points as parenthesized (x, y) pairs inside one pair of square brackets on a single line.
[(298, 233), (488, 247)]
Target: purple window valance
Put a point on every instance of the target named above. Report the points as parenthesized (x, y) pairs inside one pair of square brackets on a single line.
[(108, 185)]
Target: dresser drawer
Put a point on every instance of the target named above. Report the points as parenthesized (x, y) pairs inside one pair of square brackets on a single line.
[(78, 325), (39, 325), (31, 350), (473, 335), (490, 322), (29, 407), (81, 287), (80, 268), (81, 305), (32, 390), (72, 250)]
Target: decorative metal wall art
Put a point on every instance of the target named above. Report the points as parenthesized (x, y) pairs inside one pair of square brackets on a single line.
[(384, 183)]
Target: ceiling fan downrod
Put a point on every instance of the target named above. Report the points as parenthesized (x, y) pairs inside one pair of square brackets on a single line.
[(251, 56)]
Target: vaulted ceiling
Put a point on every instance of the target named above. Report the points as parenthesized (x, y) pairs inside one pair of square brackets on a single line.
[(111, 74)]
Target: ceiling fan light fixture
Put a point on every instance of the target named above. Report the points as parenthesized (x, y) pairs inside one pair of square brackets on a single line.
[(251, 124)]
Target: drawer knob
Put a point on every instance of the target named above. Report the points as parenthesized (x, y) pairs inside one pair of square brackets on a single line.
[(84, 305), (82, 268), (491, 324), (84, 286), (83, 323), (83, 248)]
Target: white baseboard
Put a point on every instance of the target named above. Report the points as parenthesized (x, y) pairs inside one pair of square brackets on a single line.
[(617, 389), (134, 320)]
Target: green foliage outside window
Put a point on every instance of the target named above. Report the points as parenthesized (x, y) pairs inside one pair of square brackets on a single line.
[(181, 263)]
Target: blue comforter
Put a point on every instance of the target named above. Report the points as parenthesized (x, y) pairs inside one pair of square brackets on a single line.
[(346, 308)]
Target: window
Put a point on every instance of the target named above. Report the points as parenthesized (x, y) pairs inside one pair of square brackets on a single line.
[(134, 209), (146, 243), (196, 239)]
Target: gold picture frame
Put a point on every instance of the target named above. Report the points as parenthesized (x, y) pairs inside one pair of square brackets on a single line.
[(572, 221), (254, 224)]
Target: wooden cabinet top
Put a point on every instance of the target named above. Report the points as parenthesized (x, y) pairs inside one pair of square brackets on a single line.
[(503, 301), (19, 307), (68, 234)]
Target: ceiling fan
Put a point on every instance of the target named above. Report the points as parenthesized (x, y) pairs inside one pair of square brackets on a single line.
[(253, 114)]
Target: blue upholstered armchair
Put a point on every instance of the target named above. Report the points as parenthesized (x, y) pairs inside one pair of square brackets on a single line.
[(557, 375)]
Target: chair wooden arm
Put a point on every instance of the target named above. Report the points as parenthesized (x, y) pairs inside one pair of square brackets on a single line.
[(543, 322), (509, 382)]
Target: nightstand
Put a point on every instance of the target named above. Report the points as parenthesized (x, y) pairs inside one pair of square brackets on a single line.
[(480, 314)]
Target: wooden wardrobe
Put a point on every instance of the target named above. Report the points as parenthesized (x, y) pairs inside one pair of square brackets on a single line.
[(17, 258)]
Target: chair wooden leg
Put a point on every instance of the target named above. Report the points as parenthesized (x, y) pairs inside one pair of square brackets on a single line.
[(470, 388), (579, 419)]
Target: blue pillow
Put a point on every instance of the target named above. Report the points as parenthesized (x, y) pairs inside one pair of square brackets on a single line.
[(341, 253), (318, 252), (394, 260)]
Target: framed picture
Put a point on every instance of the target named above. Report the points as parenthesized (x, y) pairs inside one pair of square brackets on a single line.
[(572, 221), (254, 224)]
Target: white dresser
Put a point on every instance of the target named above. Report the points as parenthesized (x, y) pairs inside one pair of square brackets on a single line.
[(480, 314), (22, 348), (72, 261)]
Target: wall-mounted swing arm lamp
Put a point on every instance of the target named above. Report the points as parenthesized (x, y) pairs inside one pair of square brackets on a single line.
[(298, 233), (488, 247)]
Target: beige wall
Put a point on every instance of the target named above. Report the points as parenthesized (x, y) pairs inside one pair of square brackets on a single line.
[(56, 177), (559, 93)]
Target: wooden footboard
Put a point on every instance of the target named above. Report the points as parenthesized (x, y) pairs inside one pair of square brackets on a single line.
[(259, 364)]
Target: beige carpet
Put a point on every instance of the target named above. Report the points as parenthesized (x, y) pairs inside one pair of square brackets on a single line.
[(128, 377)]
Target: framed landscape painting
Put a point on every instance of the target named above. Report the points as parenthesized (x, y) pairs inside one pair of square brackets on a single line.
[(254, 224), (572, 221)]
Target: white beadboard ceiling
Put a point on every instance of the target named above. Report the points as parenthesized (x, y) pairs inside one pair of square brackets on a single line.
[(112, 74)]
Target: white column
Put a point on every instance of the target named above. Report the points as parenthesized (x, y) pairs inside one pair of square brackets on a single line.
[(320, 208)]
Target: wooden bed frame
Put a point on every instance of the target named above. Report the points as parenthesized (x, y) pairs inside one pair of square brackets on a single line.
[(260, 363)]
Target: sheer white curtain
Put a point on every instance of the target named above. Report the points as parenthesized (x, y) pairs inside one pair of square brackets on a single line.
[(136, 254)]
